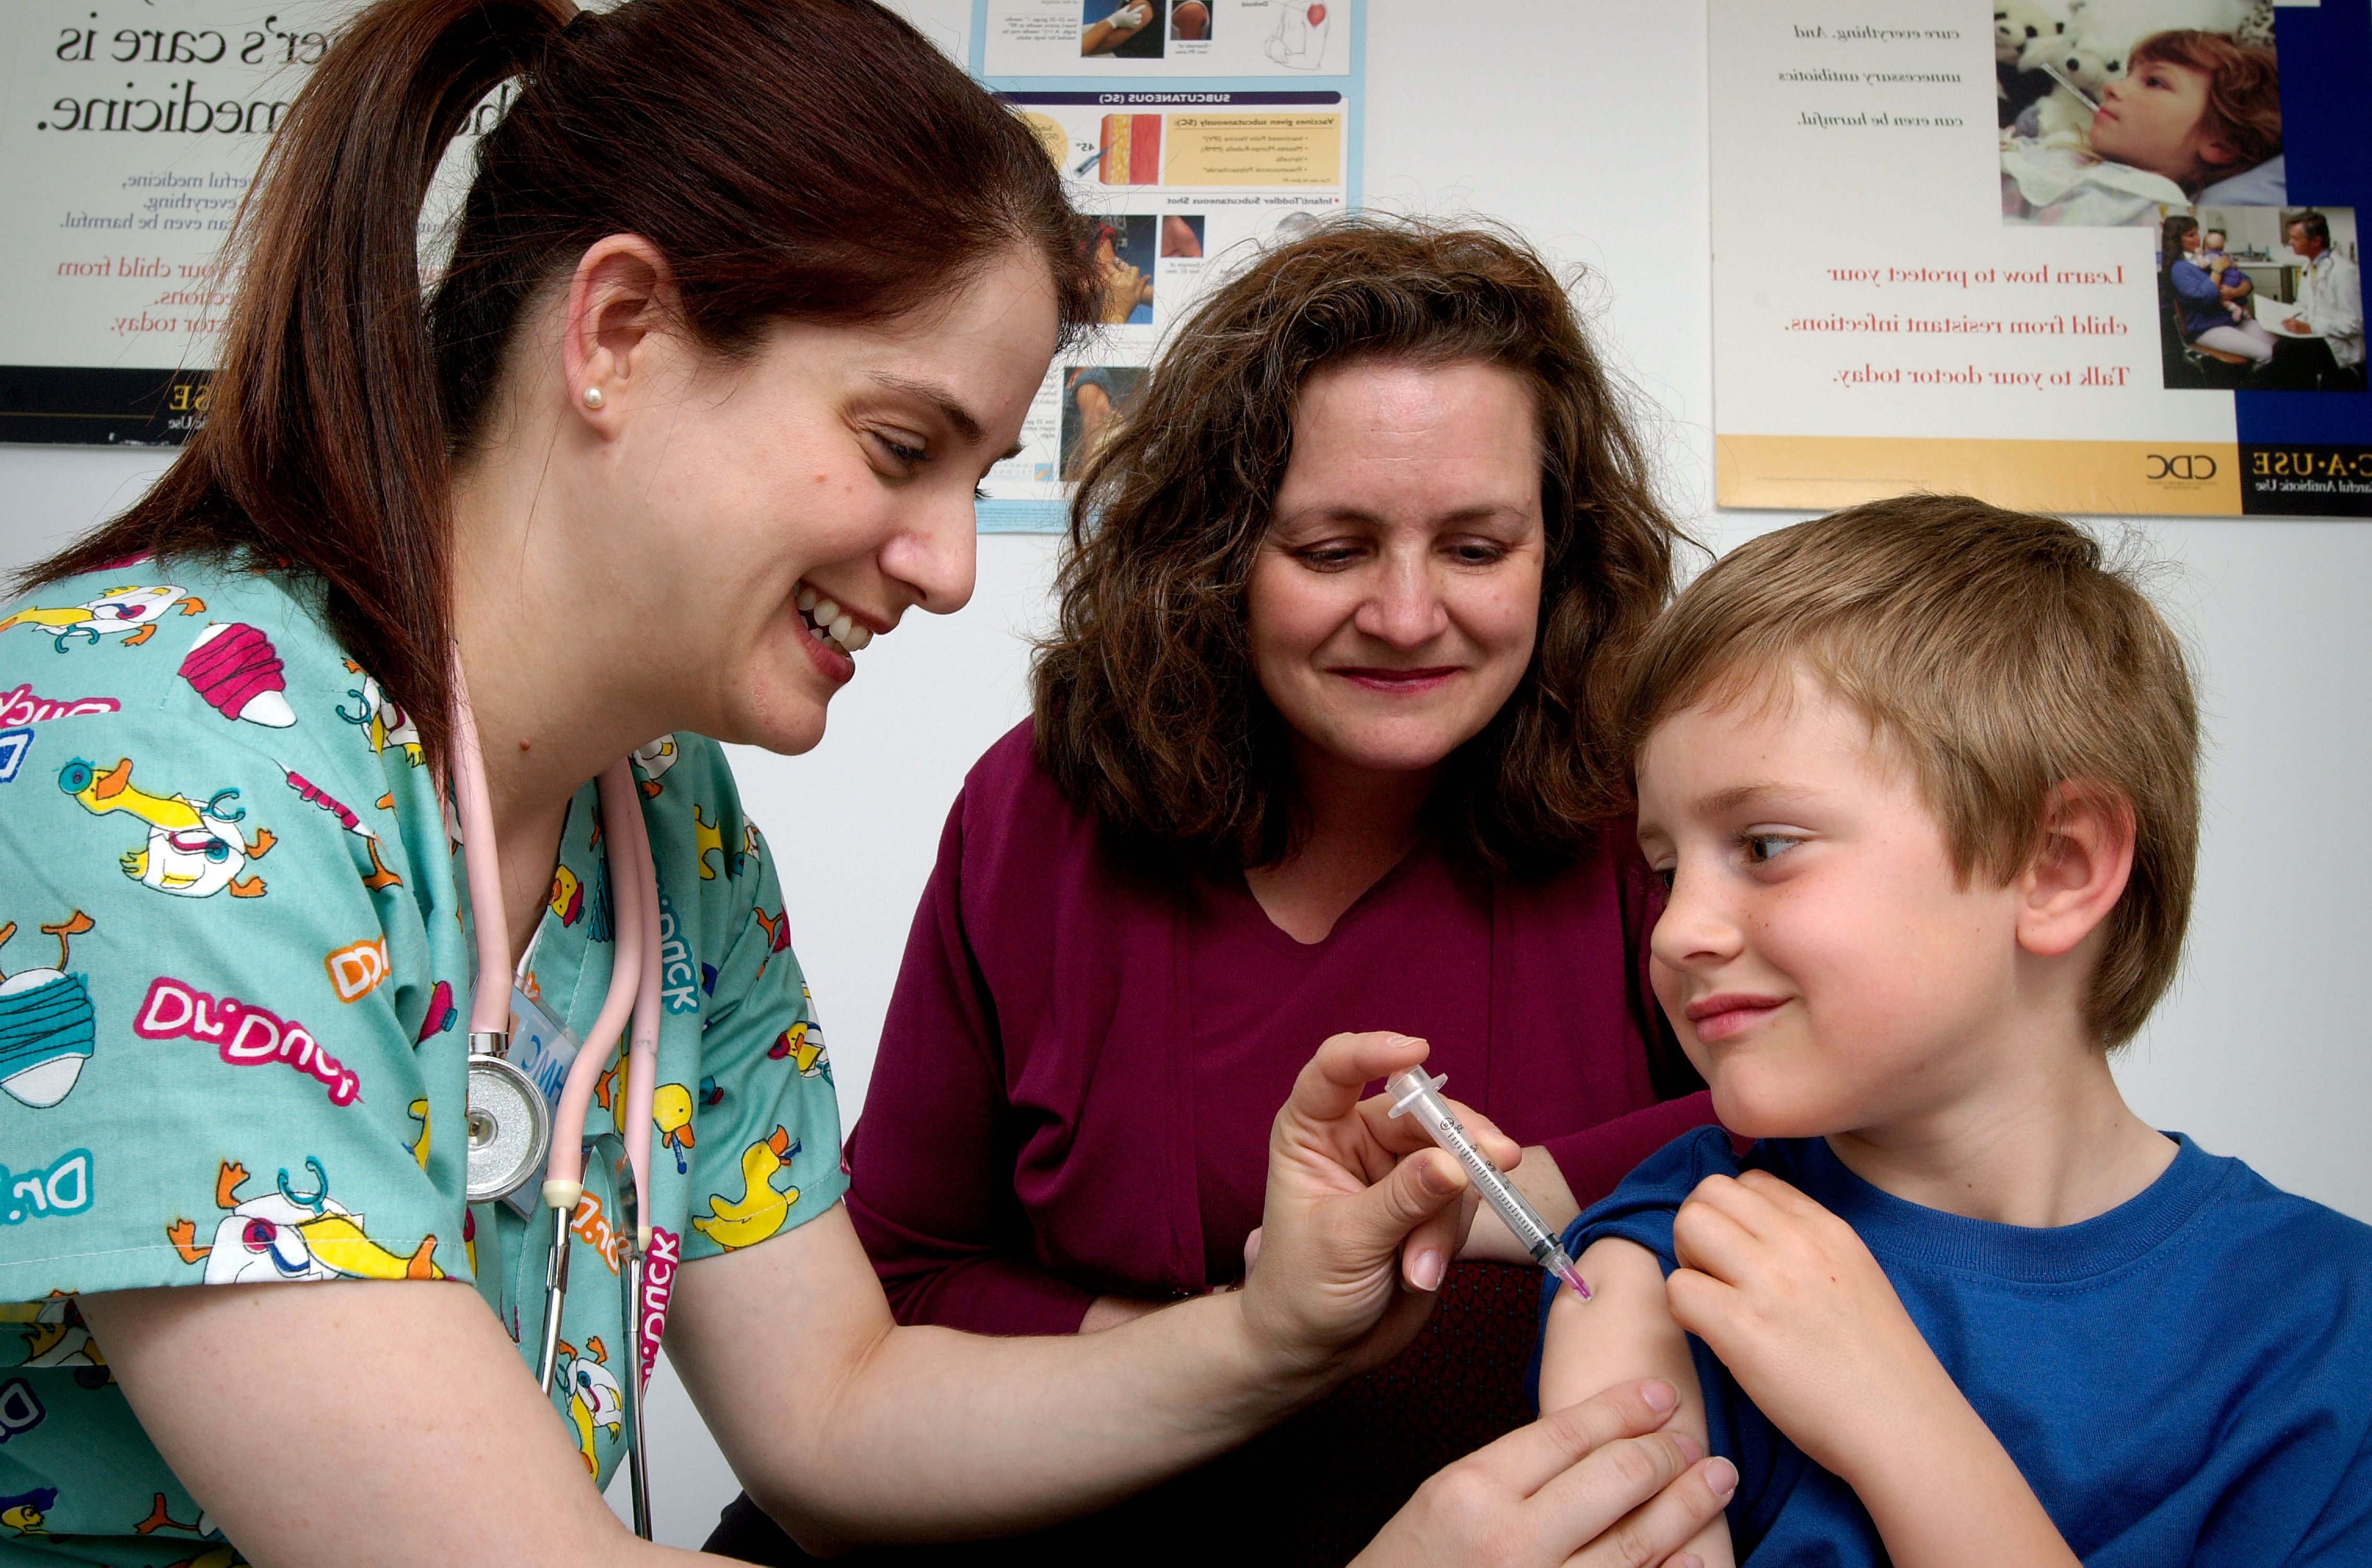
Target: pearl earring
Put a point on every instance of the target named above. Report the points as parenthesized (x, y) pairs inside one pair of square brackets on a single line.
[(593, 398)]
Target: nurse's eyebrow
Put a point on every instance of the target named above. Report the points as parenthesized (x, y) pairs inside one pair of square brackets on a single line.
[(960, 419)]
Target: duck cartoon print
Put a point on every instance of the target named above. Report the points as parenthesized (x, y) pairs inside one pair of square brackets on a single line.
[(594, 1401), (131, 613), (654, 758), (55, 1336), (802, 1044), (46, 1023), (567, 899), (760, 1212), (193, 852), (381, 718), (777, 928), (27, 1513), (160, 1517), (285, 1234), (707, 838), (671, 1114)]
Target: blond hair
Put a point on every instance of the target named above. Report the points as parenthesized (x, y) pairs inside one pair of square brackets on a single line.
[(2001, 657)]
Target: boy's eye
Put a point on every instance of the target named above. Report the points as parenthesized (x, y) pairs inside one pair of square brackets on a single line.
[(1761, 849), (901, 452), (1665, 876)]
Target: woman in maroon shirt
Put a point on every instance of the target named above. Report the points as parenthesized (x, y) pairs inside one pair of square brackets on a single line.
[(1320, 744)]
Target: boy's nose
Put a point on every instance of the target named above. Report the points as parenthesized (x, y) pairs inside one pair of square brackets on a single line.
[(1693, 934)]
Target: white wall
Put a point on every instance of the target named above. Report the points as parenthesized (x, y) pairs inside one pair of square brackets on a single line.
[(1583, 122)]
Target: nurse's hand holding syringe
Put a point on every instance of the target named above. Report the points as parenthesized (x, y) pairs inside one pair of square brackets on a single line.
[(1415, 1092)]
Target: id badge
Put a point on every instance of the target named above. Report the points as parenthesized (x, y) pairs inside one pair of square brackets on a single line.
[(542, 1050)]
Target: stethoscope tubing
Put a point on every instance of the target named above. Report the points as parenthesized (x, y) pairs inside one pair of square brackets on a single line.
[(634, 991)]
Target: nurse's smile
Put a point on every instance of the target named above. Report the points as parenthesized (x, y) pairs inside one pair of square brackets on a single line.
[(825, 617)]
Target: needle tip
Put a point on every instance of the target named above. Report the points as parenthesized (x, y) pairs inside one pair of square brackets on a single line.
[(1573, 1277)]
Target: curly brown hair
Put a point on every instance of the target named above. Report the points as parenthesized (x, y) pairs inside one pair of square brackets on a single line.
[(1148, 713)]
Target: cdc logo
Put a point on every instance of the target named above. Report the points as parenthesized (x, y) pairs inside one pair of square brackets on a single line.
[(2184, 466)]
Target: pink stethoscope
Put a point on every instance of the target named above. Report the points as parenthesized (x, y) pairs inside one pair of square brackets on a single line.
[(511, 1131)]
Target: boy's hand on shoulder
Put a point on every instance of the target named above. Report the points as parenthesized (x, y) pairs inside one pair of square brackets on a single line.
[(1792, 1302)]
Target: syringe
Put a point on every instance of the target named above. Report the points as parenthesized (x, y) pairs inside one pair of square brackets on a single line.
[(1413, 1090)]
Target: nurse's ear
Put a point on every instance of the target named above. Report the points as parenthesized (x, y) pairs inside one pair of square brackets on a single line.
[(620, 311)]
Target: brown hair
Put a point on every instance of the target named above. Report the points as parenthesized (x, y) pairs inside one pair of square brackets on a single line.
[(2002, 657), (1148, 713), (815, 159), (2317, 227), (2244, 90), (2169, 241)]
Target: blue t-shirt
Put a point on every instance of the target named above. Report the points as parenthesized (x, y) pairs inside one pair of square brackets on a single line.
[(2184, 1379)]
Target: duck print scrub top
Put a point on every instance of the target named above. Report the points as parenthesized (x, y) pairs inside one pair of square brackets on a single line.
[(235, 967)]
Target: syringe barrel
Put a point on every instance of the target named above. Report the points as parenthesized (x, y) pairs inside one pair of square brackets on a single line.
[(1413, 1094)]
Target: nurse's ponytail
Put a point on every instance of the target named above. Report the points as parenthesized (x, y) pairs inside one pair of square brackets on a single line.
[(815, 159)]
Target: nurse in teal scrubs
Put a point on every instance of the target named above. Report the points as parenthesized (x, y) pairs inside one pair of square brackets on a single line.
[(745, 299)]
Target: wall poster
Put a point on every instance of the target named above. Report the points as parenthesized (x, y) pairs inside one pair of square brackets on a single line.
[(2123, 281), (130, 129), (1196, 130)]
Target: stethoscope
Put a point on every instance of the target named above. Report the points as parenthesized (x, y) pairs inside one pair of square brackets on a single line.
[(510, 1126)]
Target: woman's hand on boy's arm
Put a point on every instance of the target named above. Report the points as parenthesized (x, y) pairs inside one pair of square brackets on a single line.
[(1625, 1332), (1791, 1301)]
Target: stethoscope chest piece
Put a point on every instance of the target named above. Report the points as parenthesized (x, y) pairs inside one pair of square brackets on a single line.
[(510, 1126)]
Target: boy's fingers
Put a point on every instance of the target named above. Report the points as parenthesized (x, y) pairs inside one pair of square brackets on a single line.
[(1701, 1304), (1667, 1521), (1784, 1196), (1706, 1236), (1752, 1210), (1530, 1456)]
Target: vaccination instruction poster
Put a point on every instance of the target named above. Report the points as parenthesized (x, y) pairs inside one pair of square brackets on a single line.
[(2012, 247), (1196, 132)]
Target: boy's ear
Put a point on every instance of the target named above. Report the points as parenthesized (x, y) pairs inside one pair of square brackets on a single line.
[(2078, 870)]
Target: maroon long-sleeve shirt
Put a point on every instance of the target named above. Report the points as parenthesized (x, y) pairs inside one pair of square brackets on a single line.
[(1079, 1066), (1073, 1094)]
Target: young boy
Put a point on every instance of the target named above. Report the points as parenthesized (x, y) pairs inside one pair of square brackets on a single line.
[(1922, 779)]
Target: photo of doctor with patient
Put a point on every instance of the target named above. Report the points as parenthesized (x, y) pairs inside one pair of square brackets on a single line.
[(2260, 299)]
